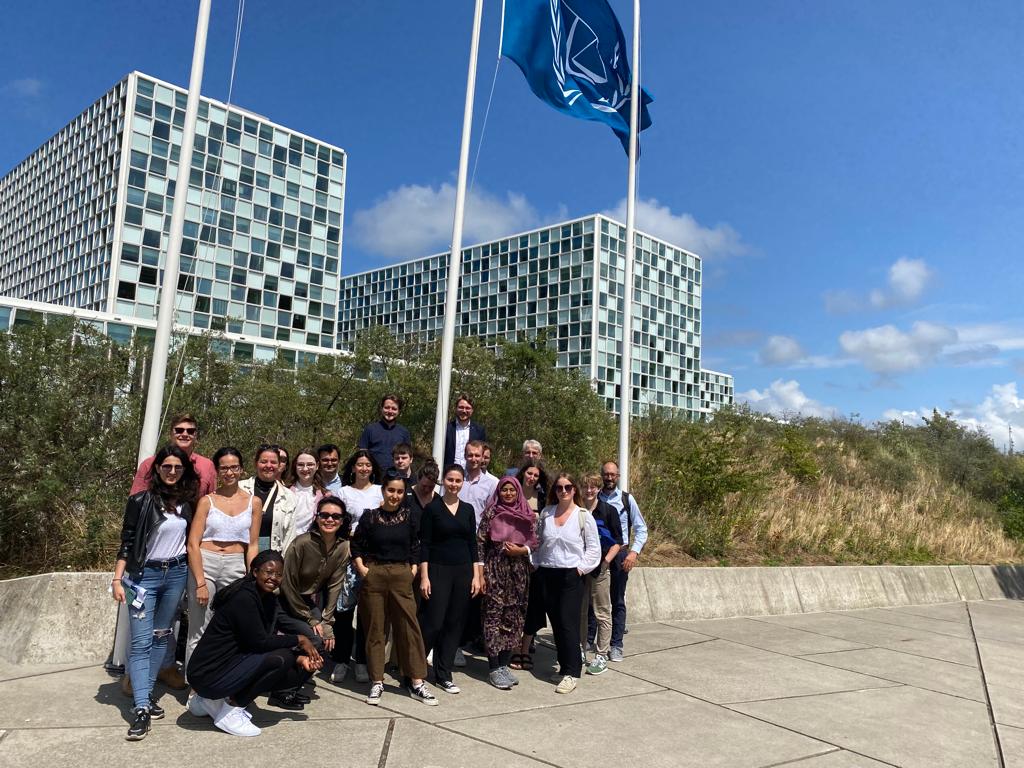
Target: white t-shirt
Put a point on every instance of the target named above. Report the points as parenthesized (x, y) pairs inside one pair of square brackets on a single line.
[(169, 539), (357, 502), (305, 508), (461, 438)]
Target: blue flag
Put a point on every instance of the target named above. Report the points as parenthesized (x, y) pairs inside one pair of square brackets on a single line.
[(573, 55)]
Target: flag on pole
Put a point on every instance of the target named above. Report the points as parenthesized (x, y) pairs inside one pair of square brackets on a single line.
[(573, 55)]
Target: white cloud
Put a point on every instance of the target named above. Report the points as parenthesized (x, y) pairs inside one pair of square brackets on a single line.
[(785, 398), (886, 349), (25, 87), (683, 230), (780, 350), (1001, 409), (415, 220), (906, 283)]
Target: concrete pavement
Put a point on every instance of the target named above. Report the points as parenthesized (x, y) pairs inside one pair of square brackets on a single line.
[(920, 685)]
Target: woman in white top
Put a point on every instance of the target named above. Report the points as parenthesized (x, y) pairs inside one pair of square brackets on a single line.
[(360, 491), (307, 490), (569, 548), (277, 525), (222, 541)]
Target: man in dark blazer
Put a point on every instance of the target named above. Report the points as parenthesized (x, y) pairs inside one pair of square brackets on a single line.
[(461, 430)]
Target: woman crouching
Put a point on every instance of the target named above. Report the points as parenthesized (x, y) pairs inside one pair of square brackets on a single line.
[(240, 657)]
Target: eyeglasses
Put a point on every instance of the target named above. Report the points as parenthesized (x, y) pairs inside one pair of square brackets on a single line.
[(337, 516), (184, 430), (169, 468), (230, 470), (563, 488)]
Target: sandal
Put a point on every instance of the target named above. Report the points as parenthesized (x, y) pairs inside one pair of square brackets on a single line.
[(525, 662), (516, 662)]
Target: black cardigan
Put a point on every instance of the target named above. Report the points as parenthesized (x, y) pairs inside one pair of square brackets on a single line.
[(244, 624)]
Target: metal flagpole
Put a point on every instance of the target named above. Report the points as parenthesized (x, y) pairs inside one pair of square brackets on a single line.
[(444, 381), (626, 385), (168, 290)]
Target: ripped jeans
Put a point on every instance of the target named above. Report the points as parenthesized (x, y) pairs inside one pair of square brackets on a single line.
[(152, 627)]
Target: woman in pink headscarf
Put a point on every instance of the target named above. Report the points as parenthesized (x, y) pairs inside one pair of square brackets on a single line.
[(506, 536)]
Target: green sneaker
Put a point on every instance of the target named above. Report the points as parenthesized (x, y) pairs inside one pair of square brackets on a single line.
[(597, 666)]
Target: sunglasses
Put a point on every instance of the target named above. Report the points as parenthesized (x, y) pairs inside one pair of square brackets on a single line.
[(337, 516), (185, 430), (169, 468), (563, 488)]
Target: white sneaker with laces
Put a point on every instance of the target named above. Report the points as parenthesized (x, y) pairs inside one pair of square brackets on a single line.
[(362, 673), (376, 691), (234, 720), (568, 685)]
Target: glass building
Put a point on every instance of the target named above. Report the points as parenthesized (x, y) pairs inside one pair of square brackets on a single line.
[(84, 219), (564, 282)]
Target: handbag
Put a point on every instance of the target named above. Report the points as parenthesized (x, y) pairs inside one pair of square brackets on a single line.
[(349, 595)]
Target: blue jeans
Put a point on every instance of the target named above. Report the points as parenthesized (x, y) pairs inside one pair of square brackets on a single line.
[(152, 626), (619, 578)]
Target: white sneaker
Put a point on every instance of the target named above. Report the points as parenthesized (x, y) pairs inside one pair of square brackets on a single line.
[(200, 707), (568, 685), (362, 674), (339, 672), (460, 658), (233, 720)]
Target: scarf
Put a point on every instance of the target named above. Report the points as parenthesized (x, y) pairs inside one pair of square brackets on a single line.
[(515, 522)]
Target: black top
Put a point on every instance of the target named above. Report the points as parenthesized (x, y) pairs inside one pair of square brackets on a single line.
[(244, 624), (380, 437), (448, 539), (262, 490), (388, 537), (604, 513), (414, 502)]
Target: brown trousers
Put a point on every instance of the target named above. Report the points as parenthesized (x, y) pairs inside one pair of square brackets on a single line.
[(386, 597)]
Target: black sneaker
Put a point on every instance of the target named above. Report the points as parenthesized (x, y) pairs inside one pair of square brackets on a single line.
[(285, 700), (156, 712), (140, 727), (447, 686), (422, 694)]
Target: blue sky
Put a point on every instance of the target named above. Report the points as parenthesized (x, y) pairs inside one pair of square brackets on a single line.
[(851, 172)]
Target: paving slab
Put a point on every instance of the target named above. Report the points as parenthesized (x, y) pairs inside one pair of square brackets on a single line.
[(873, 633), (953, 612), (838, 759), (698, 734), (903, 726), (930, 674), (1012, 742), (722, 671), (346, 744), (998, 621), (769, 637), (913, 621), (661, 636), (417, 745), (1007, 705), (1003, 663)]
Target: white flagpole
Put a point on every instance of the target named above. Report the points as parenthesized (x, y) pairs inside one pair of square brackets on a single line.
[(626, 385), (169, 287), (444, 381)]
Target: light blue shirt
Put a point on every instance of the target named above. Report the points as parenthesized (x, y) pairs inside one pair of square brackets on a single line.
[(630, 518), (333, 487)]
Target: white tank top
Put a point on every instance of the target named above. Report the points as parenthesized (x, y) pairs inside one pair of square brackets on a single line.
[(221, 526)]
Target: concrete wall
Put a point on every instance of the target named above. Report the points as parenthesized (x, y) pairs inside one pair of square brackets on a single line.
[(59, 618)]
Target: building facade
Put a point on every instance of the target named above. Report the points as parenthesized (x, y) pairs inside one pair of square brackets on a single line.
[(565, 283), (84, 225), (84, 219)]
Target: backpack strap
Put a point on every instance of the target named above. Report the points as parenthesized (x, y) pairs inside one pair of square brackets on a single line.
[(626, 507)]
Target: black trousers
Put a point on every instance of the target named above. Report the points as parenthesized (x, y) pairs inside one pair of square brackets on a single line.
[(563, 596), (273, 671), (345, 637), (443, 616)]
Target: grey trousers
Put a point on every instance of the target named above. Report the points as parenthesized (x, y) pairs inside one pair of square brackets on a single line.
[(597, 592), (219, 571)]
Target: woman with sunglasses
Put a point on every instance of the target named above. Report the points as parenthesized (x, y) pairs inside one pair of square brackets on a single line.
[(506, 536), (314, 570), (450, 573), (151, 562), (307, 489), (222, 541), (241, 655), (360, 490), (569, 549), (385, 552), (277, 529)]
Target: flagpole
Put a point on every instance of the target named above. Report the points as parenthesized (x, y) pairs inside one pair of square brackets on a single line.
[(169, 287), (444, 381), (626, 384)]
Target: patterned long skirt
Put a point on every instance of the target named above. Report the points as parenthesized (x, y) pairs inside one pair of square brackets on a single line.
[(507, 582)]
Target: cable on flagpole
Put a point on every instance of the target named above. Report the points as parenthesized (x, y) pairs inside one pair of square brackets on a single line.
[(490, 98), (204, 207)]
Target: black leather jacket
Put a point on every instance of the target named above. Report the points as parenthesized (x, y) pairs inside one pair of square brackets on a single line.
[(142, 516)]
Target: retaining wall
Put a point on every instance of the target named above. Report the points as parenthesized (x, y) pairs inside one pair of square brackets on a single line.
[(59, 618)]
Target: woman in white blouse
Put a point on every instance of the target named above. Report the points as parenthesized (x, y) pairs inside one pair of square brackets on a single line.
[(569, 549), (308, 489)]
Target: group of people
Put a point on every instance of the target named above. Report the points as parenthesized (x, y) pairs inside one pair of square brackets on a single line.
[(311, 565)]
